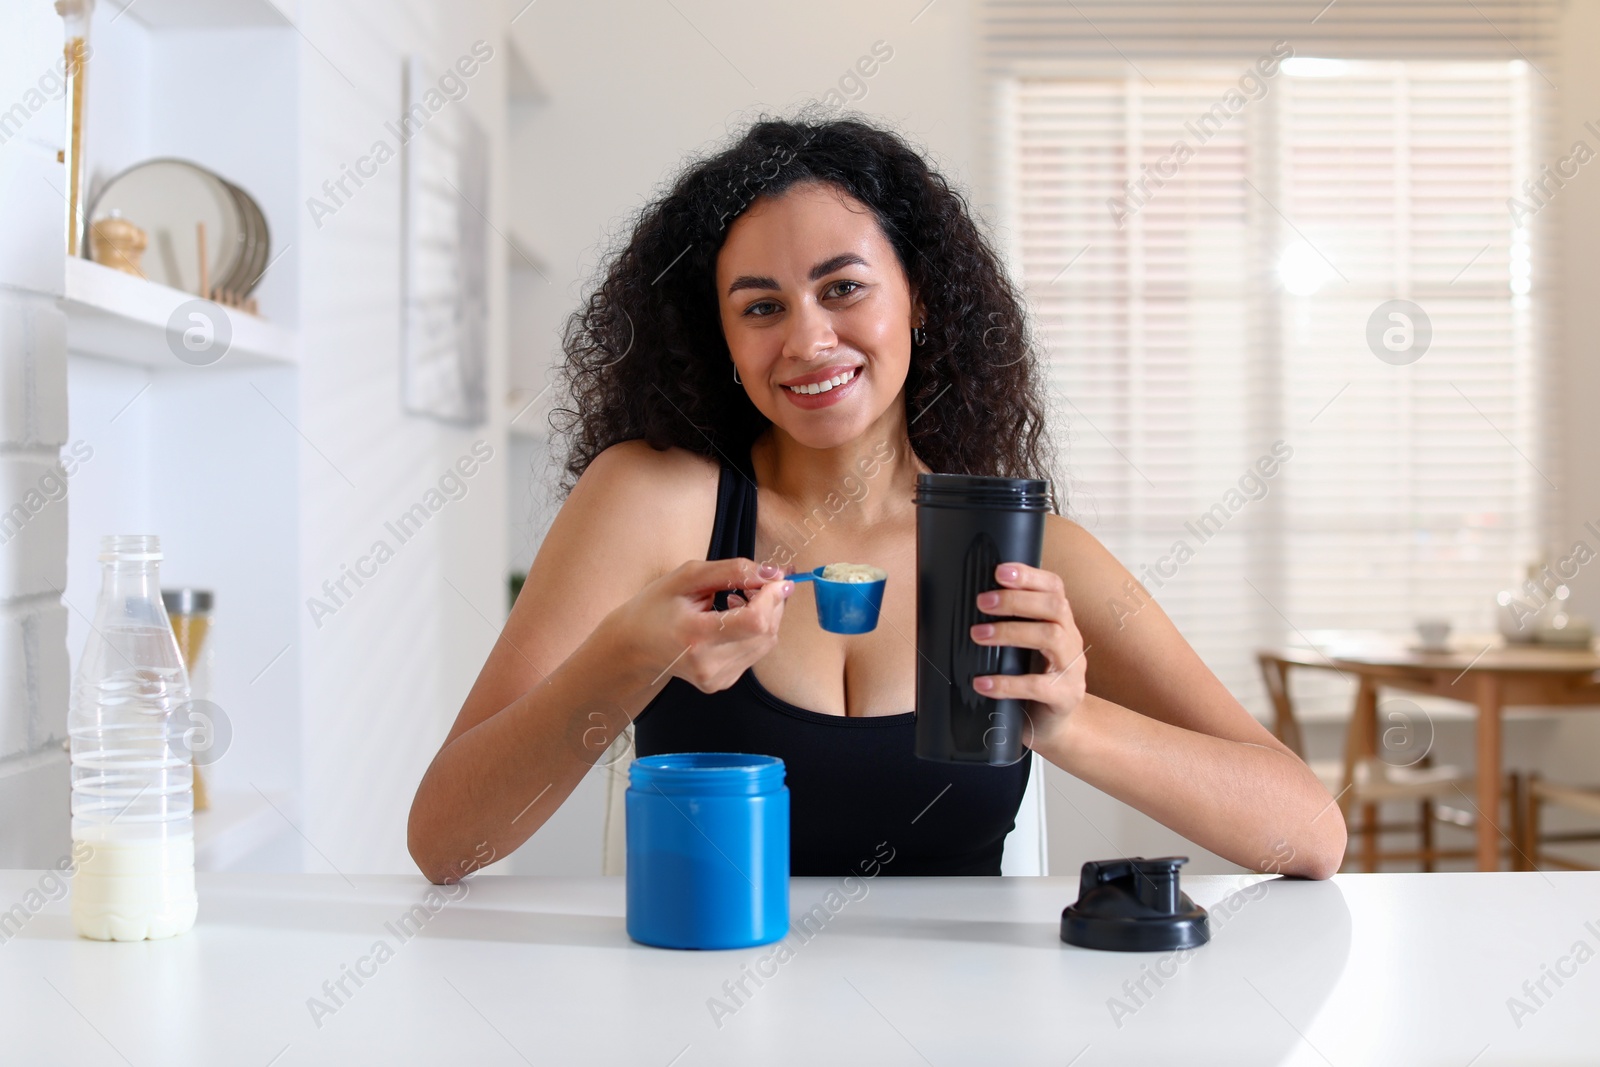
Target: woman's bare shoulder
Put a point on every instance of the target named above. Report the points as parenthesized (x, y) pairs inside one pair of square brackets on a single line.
[(636, 466), (1089, 572), (1066, 542), (634, 514), (1137, 656), (664, 498), (671, 457)]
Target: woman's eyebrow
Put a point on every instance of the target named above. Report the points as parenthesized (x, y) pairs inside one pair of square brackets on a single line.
[(820, 271), (828, 266), (752, 281)]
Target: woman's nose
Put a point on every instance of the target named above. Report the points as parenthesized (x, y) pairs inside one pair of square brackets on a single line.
[(810, 333)]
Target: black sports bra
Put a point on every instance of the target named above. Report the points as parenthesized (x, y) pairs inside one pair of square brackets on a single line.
[(855, 783)]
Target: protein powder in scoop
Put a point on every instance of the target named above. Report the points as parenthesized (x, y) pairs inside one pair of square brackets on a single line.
[(849, 595), (853, 572)]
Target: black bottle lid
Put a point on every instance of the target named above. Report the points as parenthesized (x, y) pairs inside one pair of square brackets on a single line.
[(1134, 905)]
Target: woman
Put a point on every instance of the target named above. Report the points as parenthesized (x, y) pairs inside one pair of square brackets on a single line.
[(805, 322)]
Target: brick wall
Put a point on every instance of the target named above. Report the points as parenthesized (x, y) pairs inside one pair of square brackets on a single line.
[(34, 781)]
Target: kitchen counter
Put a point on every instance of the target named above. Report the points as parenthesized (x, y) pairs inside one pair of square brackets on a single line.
[(1363, 969)]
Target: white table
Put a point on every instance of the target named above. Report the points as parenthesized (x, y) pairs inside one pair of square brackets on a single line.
[(1365, 969)]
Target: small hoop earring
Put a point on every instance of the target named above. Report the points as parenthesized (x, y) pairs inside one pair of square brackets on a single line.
[(918, 335), (736, 375)]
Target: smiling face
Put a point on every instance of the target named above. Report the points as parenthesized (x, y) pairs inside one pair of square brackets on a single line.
[(817, 312)]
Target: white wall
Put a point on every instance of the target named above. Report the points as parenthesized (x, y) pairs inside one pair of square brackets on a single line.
[(33, 426), (635, 88), (385, 675)]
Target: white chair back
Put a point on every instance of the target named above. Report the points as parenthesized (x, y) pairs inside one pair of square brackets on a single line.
[(1027, 848)]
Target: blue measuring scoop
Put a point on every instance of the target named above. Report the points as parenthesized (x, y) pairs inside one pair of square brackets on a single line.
[(845, 607)]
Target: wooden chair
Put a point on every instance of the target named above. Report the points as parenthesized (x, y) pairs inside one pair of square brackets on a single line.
[(1361, 781), (1585, 799)]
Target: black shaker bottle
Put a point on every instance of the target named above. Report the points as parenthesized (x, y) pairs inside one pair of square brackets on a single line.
[(967, 525)]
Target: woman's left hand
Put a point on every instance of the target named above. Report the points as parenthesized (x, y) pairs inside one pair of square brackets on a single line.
[(1043, 623)]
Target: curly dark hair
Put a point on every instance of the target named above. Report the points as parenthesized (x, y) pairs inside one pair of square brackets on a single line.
[(646, 357)]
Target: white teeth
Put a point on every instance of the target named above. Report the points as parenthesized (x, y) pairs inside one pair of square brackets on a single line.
[(822, 387)]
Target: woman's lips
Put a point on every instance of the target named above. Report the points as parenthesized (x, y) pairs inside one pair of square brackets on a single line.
[(812, 401)]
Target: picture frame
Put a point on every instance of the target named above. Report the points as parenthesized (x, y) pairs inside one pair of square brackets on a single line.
[(444, 254)]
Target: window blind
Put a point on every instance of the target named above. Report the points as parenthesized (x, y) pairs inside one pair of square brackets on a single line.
[(1229, 430)]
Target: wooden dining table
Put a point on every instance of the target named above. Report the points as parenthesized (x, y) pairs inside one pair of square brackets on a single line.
[(1482, 671)]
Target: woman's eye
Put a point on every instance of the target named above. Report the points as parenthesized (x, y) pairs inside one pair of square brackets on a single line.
[(761, 309), (843, 288)]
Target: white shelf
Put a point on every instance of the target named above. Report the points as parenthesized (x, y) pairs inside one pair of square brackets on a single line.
[(117, 316), (235, 825), (208, 456)]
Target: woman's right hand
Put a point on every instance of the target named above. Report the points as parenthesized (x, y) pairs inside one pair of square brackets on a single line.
[(674, 627)]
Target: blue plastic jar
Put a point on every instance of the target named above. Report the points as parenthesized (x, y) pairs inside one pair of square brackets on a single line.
[(708, 850)]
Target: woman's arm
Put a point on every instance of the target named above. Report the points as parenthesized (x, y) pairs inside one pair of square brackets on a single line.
[(498, 780), (1257, 806), (1155, 728), (602, 623)]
